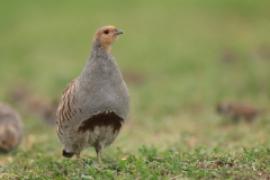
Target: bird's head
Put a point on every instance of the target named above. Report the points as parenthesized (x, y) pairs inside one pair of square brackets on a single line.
[(67, 154), (223, 108), (106, 35), (71, 149)]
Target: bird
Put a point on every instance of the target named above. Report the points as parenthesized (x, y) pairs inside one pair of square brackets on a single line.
[(11, 130), (237, 111), (94, 105)]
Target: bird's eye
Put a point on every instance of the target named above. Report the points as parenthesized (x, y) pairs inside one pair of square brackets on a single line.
[(106, 31)]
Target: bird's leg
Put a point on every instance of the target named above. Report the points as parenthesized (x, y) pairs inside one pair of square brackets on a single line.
[(98, 151), (99, 157), (78, 159), (78, 156)]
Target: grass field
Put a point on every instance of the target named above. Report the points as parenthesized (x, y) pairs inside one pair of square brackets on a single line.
[(179, 59)]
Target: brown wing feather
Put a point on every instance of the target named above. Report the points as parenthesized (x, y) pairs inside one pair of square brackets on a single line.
[(65, 111)]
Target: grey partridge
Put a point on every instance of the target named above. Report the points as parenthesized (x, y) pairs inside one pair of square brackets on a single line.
[(95, 105), (10, 128), (237, 111)]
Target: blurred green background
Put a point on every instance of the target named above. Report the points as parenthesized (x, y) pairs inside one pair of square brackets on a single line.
[(178, 57)]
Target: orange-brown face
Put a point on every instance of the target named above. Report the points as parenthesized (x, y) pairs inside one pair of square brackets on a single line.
[(107, 35)]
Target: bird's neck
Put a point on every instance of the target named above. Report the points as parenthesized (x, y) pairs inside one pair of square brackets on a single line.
[(97, 64), (99, 56), (99, 49)]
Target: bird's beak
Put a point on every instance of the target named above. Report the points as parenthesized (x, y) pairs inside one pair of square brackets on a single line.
[(119, 32)]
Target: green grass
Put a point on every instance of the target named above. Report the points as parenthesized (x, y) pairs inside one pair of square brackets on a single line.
[(147, 163), (178, 50)]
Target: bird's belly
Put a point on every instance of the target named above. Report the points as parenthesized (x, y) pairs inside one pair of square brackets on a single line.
[(102, 135), (102, 128)]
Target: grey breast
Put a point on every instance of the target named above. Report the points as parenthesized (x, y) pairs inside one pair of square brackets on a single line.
[(102, 88)]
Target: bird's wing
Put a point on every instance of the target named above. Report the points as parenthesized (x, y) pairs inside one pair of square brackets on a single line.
[(66, 109)]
